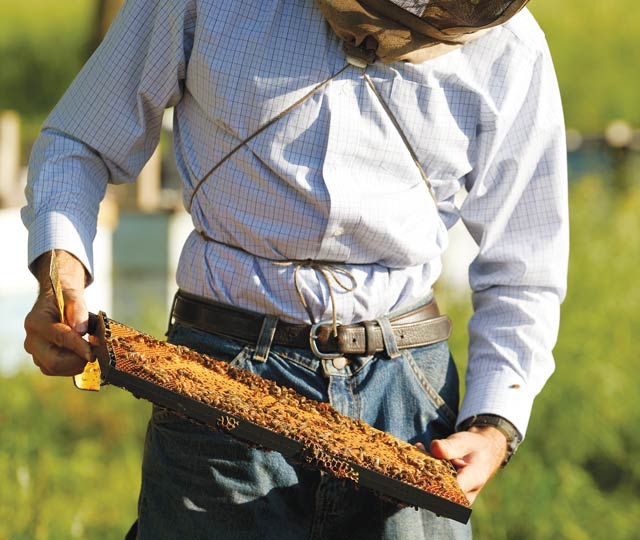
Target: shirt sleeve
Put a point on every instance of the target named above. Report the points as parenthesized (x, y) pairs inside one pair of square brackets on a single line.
[(516, 211), (107, 124)]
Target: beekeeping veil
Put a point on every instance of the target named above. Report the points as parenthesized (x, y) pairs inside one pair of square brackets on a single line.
[(413, 30)]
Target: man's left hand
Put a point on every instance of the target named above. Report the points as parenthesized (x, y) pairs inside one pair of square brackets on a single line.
[(477, 454)]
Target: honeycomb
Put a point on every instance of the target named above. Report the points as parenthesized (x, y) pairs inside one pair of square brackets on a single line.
[(331, 442)]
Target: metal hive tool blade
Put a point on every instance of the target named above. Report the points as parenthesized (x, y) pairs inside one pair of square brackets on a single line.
[(89, 379)]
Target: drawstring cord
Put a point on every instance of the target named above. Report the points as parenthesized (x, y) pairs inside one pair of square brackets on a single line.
[(269, 123), (330, 273), (396, 124)]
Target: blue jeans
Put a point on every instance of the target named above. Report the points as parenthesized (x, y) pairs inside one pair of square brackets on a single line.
[(202, 484)]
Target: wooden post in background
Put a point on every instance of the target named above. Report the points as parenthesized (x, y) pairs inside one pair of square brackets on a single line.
[(106, 10), (9, 156)]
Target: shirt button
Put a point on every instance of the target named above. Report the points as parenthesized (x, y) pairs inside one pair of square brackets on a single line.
[(338, 232), (340, 362)]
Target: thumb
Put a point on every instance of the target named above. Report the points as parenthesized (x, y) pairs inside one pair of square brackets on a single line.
[(76, 312), (456, 446)]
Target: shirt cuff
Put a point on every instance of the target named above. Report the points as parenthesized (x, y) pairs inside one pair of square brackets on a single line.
[(503, 394), (55, 230)]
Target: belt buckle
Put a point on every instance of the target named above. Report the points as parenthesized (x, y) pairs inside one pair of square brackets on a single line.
[(313, 345)]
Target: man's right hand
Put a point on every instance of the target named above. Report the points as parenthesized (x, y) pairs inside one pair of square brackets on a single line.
[(58, 348)]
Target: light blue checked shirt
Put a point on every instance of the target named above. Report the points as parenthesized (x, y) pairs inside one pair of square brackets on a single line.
[(332, 180)]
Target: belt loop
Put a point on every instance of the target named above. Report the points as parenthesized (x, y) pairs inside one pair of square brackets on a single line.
[(263, 345), (388, 337), (326, 364), (369, 342)]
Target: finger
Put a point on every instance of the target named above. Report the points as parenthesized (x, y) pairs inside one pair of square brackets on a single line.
[(76, 312), (47, 342), (60, 371), (44, 370), (472, 495), (456, 446), (455, 462), (471, 480), (54, 361), (64, 337)]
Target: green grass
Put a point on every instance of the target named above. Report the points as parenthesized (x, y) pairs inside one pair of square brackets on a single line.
[(595, 49), (70, 460)]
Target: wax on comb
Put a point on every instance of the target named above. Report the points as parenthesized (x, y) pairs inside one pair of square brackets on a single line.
[(264, 414)]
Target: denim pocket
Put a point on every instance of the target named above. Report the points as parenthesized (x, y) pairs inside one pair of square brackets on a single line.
[(436, 373), (218, 347)]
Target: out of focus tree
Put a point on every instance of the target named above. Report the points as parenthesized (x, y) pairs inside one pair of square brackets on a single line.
[(106, 11)]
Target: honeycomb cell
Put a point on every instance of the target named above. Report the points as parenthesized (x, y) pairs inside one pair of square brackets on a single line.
[(331, 442)]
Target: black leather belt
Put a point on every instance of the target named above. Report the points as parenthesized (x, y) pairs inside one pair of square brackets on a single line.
[(422, 326)]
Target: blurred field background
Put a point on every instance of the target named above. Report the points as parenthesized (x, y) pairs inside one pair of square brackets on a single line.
[(70, 461)]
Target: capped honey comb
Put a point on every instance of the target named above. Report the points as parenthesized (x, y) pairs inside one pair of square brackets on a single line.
[(323, 438)]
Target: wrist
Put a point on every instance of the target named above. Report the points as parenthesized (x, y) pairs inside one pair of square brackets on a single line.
[(503, 433), (497, 439), (71, 271)]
